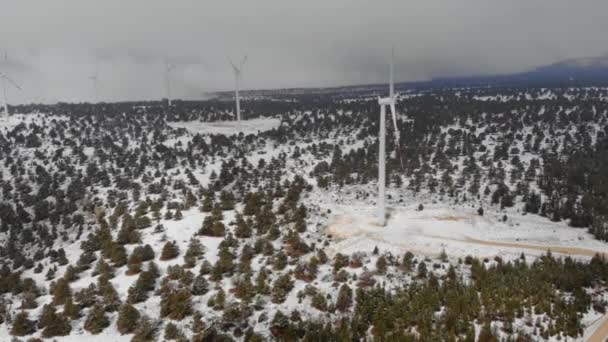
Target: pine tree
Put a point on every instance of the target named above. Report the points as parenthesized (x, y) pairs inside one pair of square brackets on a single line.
[(96, 321), (146, 282), (244, 289), (319, 302), (218, 229), (60, 290), (381, 265), (261, 286), (22, 325), (279, 327), (408, 262), (218, 301), (281, 288), (48, 314), (134, 263), (170, 251), (227, 200), (225, 262), (200, 286), (58, 325), (145, 331), (118, 255), (178, 215), (194, 252), (111, 300), (279, 261), (176, 304), (127, 319), (345, 298), (422, 271), (486, 335), (172, 332), (70, 309), (50, 274), (103, 269), (207, 204), (242, 230)]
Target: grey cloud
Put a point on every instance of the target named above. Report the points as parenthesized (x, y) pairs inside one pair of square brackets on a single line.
[(54, 46)]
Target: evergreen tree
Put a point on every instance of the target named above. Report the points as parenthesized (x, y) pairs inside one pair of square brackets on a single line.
[(145, 331), (486, 334), (60, 290), (58, 325), (242, 230), (96, 320), (200, 286), (281, 288), (70, 309), (127, 319), (170, 251), (176, 304), (22, 325), (345, 298), (193, 253), (280, 327)]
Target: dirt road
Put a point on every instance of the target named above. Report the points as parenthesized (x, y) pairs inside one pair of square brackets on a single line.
[(553, 249), (601, 333)]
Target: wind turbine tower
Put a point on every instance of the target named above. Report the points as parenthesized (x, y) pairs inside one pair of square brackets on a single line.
[(238, 71), (168, 68), (384, 102), (95, 81), (6, 81)]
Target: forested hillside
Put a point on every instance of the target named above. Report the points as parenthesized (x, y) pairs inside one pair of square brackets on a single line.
[(116, 222)]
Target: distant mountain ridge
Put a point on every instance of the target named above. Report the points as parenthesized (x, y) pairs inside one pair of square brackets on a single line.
[(570, 72), (586, 71)]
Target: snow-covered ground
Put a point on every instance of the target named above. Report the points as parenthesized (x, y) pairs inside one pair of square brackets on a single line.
[(16, 119), (252, 126), (458, 231), (78, 334)]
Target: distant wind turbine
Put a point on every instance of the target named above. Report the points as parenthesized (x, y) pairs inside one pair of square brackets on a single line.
[(95, 81), (7, 81), (384, 102), (238, 72), (168, 68)]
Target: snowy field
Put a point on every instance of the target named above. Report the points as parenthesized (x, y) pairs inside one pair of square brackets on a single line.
[(15, 119), (459, 232), (228, 127)]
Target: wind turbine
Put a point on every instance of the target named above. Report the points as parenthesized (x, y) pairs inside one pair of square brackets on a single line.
[(95, 80), (5, 80), (384, 102), (168, 68), (238, 70)]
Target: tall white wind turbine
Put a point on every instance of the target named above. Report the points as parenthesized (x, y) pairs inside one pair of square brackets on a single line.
[(238, 71), (168, 68), (6, 81), (384, 102), (95, 82)]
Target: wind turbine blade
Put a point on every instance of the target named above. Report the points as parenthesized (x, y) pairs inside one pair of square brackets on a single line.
[(169, 66), (394, 113), (9, 80), (234, 67), (397, 135), (244, 60)]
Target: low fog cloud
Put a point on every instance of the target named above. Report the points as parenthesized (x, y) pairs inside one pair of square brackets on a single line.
[(54, 47)]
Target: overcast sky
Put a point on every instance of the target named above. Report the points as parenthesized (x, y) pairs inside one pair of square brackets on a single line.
[(54, 47)]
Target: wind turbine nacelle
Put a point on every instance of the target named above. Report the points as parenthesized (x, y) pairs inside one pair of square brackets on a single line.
[(386, 101)]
